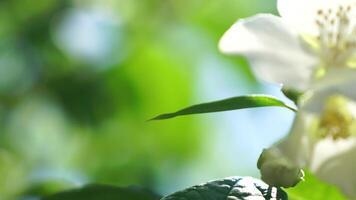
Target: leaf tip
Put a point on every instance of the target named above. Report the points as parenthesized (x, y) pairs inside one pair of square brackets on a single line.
[(161, 117)]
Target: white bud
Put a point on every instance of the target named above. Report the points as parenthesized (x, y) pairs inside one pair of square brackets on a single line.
[(276, 170)]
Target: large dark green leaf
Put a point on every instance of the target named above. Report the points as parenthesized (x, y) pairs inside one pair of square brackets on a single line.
[(104, 192), (235, 103), (233, 188), (314, 189)]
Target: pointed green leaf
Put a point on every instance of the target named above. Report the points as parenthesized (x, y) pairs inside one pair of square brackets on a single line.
[(314, 189), (235, 103), (233, 188), (103, 192)]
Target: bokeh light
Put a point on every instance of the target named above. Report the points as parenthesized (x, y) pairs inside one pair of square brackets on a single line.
[(79, 79)]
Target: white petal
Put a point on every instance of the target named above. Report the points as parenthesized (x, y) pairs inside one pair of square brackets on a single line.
[(302, 14), (338, 81), (297, 146), (340, 169), (273, 50), (329, 148)]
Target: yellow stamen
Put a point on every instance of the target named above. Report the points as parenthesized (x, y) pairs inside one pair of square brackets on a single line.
[(337, 120)]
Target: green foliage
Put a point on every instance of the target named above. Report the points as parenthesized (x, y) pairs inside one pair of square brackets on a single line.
[(46, 188), (314, 189), (104, 192), (235, 103), (230, 188)]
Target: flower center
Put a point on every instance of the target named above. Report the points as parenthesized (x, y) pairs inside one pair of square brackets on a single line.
[(337, 119), (337, 36)]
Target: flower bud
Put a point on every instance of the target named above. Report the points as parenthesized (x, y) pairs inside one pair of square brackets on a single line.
[(276, 170)]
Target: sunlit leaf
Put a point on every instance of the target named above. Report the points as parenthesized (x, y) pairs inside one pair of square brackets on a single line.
[(103, 192), (235, 103), (233, 188), (314, 189), (47, 187)]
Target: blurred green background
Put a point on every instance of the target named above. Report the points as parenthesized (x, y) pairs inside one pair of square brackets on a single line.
[(79, 79)]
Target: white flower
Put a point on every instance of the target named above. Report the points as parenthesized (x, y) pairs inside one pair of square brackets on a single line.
[(309, 37), (322, 139)]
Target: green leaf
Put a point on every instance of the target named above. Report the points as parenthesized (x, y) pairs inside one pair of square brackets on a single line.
[(235, 103), (233, 188), (104, 192), (47, 187), (314, 189)]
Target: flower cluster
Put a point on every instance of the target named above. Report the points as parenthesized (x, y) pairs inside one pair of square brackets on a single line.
[(310, 47)]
